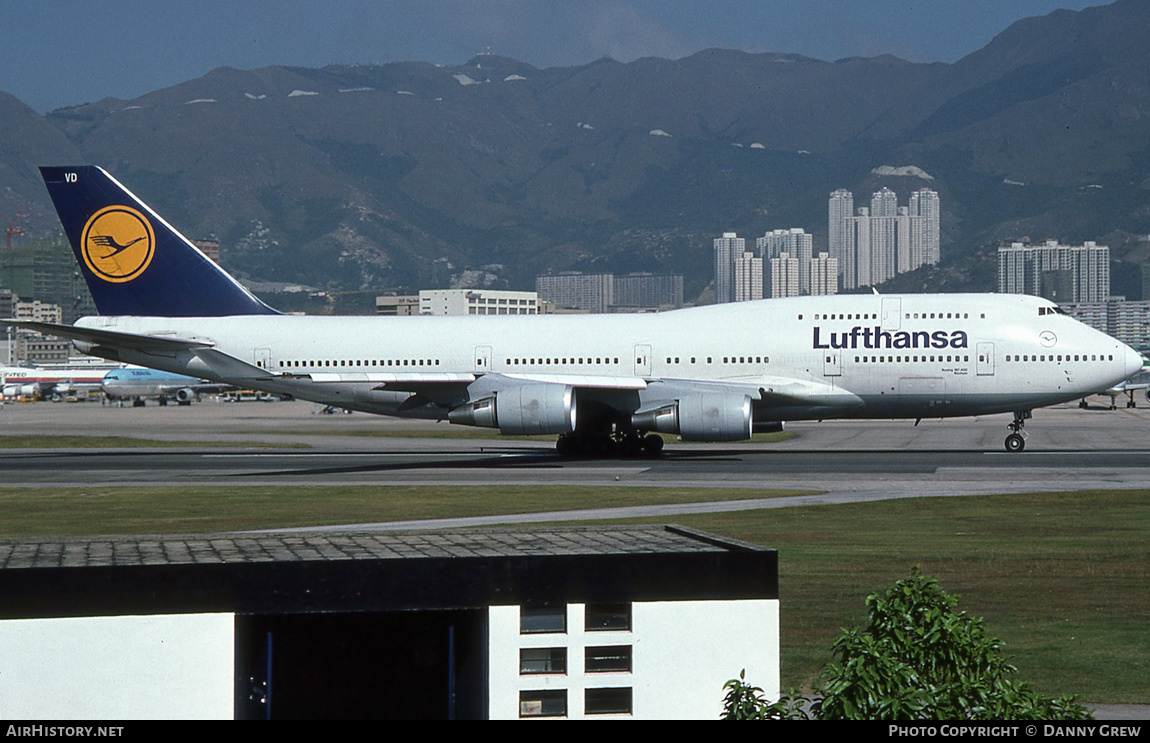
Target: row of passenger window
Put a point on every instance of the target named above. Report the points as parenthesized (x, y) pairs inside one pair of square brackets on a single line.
[(908, 359), (908, 316), (546, 362), (941, 316), (1059, 357), (323, 363), (728, 360)]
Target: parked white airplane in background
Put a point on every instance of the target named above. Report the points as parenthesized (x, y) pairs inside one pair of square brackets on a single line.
[(604, 383), (1137, 382), (130, 383), (34, 382)]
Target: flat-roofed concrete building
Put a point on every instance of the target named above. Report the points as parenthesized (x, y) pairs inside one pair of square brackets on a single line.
[(577, 291), (397, 305), (645, 290), (477, 302), (629, 621)]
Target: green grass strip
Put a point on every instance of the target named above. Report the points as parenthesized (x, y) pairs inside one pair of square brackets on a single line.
[(1061, 578), (75, 511)]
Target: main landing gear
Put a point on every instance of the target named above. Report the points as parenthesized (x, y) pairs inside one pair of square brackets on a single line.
[(617, 444), (1016, 441)]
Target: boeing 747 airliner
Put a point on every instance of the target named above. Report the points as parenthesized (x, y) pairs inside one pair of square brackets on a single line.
[(603, 383)]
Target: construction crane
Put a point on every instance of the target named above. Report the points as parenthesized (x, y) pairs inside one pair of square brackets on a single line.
[(15, 228)]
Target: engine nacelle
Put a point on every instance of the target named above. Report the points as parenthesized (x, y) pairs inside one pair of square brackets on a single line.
[(524, 410), (185, 395), (709, 416)]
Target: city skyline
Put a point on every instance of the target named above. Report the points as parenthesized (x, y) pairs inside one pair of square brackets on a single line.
[(875, 243)]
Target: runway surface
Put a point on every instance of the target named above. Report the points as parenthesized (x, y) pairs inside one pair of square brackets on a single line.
[(1068, 449)]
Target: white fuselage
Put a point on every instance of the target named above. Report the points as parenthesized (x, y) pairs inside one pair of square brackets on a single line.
[(856, 356)]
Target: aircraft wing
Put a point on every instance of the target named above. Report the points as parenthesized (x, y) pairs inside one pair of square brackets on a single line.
[(200, 356), (584, 381), (765, 391), (388, 380), (164, 345)]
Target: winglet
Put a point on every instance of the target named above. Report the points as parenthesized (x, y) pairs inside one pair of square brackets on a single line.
[(135, 263)]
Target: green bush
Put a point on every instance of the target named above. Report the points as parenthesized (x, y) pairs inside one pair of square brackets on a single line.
[(918, 659)]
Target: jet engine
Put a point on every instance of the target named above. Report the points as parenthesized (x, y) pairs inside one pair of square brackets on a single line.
[(22, 390), (524, 410), (185, 396), (709, 416)]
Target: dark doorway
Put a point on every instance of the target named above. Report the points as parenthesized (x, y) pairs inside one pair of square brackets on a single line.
[(421, 665)]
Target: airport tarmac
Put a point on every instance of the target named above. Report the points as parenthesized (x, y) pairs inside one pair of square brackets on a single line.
[(289, 443)]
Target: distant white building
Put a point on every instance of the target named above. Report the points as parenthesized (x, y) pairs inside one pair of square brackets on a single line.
[(38, 311), (477, 302), (1129, 322), (1061, 273), (574, 290), (397, 306), (729, 250), (795, 242), (839, 234), (748, 278), (824, 275), (873, 244), (645, 290), (785, 276)]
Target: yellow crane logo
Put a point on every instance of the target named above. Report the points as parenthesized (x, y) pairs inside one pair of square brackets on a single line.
[(118, 243)]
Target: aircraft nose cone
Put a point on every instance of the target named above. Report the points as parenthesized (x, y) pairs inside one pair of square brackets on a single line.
[(1134, 362)]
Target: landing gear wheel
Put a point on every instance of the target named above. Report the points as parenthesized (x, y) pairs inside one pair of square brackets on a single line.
[(652, 443), (630, 446), (565, 446), (1015, 442)]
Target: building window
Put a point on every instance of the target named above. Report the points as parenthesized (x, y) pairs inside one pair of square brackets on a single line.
[(608, 659), (536, 620), (609, 701), (608, 617), (542, 660), (543, 703)]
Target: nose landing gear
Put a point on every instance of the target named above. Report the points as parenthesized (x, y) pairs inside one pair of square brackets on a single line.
[(1016, 440)]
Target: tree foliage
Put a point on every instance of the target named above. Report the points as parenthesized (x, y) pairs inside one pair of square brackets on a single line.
[(746, 702), (919, 658)]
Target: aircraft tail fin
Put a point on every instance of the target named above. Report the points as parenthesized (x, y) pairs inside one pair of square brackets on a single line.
[(135, 263)]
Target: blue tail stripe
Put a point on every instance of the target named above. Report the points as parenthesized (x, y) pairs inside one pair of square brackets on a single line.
[(135, 263)]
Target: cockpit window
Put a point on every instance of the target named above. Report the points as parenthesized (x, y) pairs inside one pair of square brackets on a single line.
[(1051, 311)]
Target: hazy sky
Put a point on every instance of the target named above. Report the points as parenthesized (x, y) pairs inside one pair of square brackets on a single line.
[(65, 52)]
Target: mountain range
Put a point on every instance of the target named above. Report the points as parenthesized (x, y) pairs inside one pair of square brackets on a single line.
[(411, 175)]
